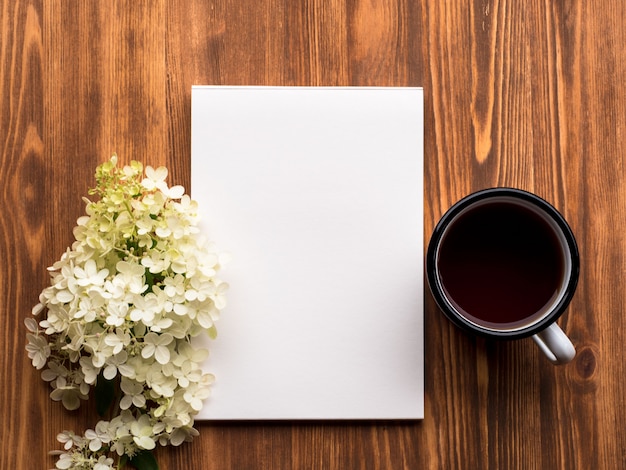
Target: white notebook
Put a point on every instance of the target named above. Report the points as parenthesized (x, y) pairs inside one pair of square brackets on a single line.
[(317, 194)]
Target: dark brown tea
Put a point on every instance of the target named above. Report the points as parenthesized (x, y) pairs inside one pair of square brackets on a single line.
[(500, 264)]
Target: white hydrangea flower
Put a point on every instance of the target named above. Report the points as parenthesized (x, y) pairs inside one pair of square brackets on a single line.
[(68, 393), (121, 308), (118, 340), (113, 363), (69, 439), (98, 437), (155, 179), (90, 371), (142, 432), (157, 345), (54, 370), (90, 275), (195, 395), (104, 463), (133, 394), (65, 461), (38, 350)]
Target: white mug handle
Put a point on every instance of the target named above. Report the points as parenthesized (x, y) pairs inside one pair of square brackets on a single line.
[(555, 345)]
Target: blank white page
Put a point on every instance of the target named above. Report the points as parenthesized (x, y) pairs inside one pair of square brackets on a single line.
[(317, 194)]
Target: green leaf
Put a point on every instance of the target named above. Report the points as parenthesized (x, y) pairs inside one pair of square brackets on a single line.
[(105, 394), (144, 460)]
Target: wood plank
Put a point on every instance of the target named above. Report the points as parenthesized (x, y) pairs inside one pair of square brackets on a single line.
[(23, 230), (527, 94)]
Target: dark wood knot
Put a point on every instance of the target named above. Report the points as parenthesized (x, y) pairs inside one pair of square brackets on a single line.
[(585, 363)]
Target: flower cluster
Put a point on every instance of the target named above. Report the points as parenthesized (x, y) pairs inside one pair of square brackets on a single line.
[(118, 317)]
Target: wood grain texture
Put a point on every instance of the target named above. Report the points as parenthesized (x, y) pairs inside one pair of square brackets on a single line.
[(526, 94)]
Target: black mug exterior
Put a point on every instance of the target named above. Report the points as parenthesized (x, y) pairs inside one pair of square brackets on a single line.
[(436, 288)]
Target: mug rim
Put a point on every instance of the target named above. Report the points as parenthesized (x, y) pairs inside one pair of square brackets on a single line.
[(440, 297)]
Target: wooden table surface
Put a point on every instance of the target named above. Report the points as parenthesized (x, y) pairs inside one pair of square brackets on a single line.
[(525, 94)]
